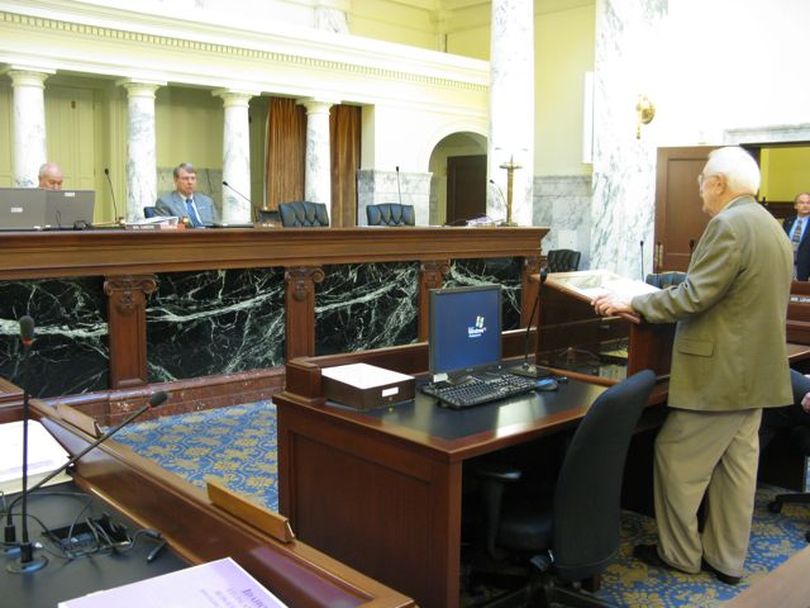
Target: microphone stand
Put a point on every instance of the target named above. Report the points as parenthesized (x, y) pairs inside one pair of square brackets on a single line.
[(118, 218), (155, 400), (399, 189), (530, 370), (26, 561)]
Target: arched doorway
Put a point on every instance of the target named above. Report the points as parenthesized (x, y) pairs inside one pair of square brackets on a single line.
[(458, 186)]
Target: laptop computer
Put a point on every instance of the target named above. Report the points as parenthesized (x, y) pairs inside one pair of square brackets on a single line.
[(67, 208), (22, 208)]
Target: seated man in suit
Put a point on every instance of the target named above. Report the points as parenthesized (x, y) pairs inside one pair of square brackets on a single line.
[(50, 176), (185, 201), (796, 228)]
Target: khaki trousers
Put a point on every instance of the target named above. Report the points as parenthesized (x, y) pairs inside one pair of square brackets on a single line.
[(712, 453)]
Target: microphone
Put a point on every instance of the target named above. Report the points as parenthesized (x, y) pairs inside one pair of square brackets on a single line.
[(530, 370), (118, 218), (399, 190), (26, 561), (499, 191), (155, 400), (641, 260), (231, 188)]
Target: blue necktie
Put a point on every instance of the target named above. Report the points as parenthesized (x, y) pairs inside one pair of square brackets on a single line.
[(796, 237), (192, 214)]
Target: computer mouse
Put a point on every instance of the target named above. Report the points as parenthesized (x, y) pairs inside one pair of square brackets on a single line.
[(546, 384)]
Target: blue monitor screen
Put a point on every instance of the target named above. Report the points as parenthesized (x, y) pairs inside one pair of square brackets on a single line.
[(465, 328)]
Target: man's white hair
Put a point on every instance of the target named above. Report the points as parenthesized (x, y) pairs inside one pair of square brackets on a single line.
[(737, 166)]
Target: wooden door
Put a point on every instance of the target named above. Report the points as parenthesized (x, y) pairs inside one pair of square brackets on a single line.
[(679, 219), (466, 187)]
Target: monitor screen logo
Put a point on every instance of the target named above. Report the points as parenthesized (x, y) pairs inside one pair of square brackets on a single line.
[(477, 330)]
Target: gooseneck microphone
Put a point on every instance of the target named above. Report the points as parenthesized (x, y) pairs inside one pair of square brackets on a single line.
[(527, 369), (232, 189), (399, 189), (26, 561), (641, 259), (118, 218), (499, 191), (155, 400)]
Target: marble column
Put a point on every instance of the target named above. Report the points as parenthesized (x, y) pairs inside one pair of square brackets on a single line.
[(141, 154), (29, 124), (236, 206), (511, 129), (318, 172), (330, 16)]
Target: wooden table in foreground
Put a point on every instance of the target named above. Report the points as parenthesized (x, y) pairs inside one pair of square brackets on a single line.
[(199, 530)]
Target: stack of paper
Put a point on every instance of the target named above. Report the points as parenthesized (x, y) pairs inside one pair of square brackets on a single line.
[(45, 455), (219, 584)]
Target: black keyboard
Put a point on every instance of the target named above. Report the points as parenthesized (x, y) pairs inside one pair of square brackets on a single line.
[(476, 391)]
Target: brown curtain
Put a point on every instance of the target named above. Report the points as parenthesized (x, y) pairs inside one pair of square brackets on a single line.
[(286, 151), (344, 134)]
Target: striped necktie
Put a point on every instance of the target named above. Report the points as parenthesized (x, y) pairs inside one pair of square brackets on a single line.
[(796, 236), (192, 213)]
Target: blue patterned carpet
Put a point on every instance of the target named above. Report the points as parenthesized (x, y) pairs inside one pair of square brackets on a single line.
[(237, 445)]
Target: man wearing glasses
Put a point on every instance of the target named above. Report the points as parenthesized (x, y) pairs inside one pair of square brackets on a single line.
[(185, 201), (729, 361), (799, 235)]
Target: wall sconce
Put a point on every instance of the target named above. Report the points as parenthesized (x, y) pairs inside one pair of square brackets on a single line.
[(645, 110)]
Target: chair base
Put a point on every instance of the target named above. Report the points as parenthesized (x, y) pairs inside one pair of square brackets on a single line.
[(799, 498), (543, 592)]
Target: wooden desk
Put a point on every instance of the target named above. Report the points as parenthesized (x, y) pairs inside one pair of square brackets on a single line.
[(198, 531), (381, 490)]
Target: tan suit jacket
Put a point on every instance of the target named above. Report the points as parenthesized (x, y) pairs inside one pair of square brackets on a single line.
[(730, 348)]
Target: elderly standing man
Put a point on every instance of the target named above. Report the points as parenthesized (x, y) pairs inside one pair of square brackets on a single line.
[(729, 361)]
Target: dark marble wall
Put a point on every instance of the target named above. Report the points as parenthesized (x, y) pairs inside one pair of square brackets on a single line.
[(505, 271), (70, 354), (363, 306), (215, 322)]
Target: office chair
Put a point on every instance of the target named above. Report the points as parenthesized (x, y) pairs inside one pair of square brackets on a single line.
[(572, 542), (563, 260), (150, 212), (797, 437), (662, 280), (390, 214), (303, 214)]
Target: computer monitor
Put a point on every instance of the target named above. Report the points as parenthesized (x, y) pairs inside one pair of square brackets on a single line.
[(22, 208), (465, 329), (66, 208)]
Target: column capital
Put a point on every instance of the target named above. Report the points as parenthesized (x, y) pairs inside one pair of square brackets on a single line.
[(317, 105), (140, 88), (234, 97), (27, 76)]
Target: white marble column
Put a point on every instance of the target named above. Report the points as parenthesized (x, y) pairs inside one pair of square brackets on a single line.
[(29, 145), (141, 154), (236, 205), (511, 131), (318, 172)]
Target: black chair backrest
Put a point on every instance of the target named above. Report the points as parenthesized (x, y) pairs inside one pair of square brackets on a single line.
[(587, 497), (303, 214), (800, 384), (563, 260), (666, 279), (150, 212), (390, 214)]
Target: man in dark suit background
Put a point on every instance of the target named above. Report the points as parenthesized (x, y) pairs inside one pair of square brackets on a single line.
[(185, 201), (799, 235)]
